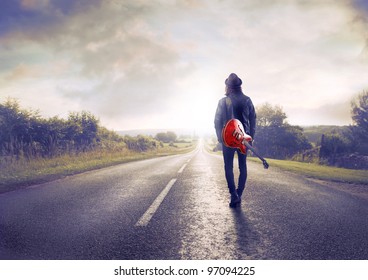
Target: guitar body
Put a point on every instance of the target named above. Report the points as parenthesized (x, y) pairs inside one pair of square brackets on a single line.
[(234, 136)]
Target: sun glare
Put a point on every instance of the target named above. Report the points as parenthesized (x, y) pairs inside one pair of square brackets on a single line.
[(197, 113)]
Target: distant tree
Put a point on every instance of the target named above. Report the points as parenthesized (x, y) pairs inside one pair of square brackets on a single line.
[(359, 111), (359, 131), (332, 146), (171, 136), (83, 130), (166, 137), (49, 134), (276, 138), (161, 136), (268, 116), (141, 143), (293, 140), (15, 129)]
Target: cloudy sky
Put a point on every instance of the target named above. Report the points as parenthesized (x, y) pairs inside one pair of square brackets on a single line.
[(162, 63)]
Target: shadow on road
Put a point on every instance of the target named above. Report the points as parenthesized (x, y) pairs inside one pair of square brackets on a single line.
[(248, 239)]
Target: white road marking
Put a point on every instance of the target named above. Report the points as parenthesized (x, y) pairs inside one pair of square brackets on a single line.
[(145, 219), (182, 168)]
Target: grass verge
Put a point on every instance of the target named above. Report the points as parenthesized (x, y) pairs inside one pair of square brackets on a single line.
[(320, 172), (24, 173), (314, 171)]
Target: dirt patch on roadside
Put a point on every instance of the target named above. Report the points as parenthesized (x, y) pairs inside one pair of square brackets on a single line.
[(358, 190)]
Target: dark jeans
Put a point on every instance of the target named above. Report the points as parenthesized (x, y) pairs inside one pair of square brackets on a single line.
[(228, 154)]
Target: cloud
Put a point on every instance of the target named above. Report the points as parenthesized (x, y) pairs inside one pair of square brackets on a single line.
[(360, 5), (152, 60), (131, 65), (328, 114), (19, 72)]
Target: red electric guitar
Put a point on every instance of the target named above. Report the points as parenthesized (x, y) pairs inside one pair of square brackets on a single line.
[(234, 136)]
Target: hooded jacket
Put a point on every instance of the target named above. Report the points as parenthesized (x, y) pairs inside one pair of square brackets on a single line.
[(238, 106)]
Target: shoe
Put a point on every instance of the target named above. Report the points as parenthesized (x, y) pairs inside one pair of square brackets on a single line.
[(239, 195), (234, 200)]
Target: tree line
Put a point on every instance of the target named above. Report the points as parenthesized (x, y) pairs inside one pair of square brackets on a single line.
[(276, 138), (25, 134)]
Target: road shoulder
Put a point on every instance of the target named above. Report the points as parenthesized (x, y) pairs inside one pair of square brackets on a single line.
[(357, 190)]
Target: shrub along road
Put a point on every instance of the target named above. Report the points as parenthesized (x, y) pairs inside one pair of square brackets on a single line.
[(176, 207)]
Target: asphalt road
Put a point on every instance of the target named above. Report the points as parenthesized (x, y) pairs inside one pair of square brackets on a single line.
[(176, 207)]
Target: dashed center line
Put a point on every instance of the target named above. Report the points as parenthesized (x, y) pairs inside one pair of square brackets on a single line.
[(182, 168), (145, 219), (147, 216)]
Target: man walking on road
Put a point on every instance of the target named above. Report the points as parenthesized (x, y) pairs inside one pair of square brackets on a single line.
[(239, 106)]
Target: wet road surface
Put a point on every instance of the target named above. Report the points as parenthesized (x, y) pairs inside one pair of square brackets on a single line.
[(176, 207)]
